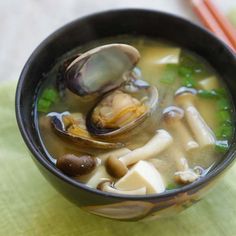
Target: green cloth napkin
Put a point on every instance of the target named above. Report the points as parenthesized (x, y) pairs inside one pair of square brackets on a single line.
[(232, 16), (30, 206)]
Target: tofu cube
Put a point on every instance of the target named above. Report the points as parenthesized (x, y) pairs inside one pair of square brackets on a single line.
[(162, 56), (142, 174), (209, 83)]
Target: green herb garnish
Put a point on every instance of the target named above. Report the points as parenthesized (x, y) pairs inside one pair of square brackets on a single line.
[(47, 99), (222, 146)]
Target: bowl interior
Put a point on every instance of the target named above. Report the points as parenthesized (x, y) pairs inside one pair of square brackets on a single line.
[(108, 24)]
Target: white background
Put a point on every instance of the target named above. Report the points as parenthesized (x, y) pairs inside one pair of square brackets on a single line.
[(25, 23)]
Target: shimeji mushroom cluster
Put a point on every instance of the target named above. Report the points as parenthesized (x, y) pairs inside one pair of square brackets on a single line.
[(134, 173), (129, 171)]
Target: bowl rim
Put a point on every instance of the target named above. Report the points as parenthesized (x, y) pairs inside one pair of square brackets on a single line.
[(56, 172)]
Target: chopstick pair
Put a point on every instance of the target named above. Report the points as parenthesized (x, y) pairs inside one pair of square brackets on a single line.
[(215, 21)]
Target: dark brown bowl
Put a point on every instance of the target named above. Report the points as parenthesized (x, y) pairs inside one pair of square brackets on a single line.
[(106, 24)]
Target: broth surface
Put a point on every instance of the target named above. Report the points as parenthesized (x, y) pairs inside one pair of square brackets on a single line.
[(188, 72)]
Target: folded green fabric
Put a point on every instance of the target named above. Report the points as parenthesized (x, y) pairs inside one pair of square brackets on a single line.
[(232, 16), (30, 206)]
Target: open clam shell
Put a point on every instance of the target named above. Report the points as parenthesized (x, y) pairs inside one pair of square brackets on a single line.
[(66, 125), (127, 117), (100, 69)]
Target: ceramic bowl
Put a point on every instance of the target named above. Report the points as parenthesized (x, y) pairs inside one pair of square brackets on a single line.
[(106, 24)]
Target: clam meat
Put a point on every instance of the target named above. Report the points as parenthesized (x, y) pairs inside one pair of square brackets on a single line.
[(72, 127)]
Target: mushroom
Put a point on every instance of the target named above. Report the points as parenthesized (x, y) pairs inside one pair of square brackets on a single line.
[(173, 119), (74, 166), (203, 134), (179, 158), (184, 173), (186, 177), (117, 167), (106, 186), (116, 153)]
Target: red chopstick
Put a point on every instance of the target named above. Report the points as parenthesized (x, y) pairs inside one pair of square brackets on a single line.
[(210, 21), (228, 29)]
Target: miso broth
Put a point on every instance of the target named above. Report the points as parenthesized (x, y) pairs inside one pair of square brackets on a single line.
[(198, 131)]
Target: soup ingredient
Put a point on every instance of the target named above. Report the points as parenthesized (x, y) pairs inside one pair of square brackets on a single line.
[(117, 109), (107, 187), (212, 94), (222, 145), (186, 75), (162, 55), (142, 174), (117, 167), (203, 134), (115, 153), (47, 99), (139, 133), (173, 119), (72, 127), (101, 69), (179, 158), (73, 165), (119, 112), (186, 176), (209, 83), (100, 174)]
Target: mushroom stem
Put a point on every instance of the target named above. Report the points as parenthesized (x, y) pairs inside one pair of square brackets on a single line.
[(188, 142), (184, 173), (203, 134), (117, 167), (201, 131), (173, 119), (186, 177), (179, 158), (159, 142), (115, 153), (106, 187)]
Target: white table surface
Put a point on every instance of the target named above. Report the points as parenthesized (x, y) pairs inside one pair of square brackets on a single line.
[(25, 23)]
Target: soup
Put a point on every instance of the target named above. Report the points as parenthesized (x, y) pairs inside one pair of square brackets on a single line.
[(136, 116)]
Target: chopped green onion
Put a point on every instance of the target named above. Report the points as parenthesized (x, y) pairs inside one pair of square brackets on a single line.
[(43, 105), (221, 92), (47, 98), (223, 104), (224, 116), (50, 95), (222, 145), (224, 131), (169, 75), (207, 93), (185, 72), (192, 63), (188, 82)]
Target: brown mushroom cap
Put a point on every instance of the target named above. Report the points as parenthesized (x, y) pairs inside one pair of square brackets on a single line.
[(115, 167), (73, 165), (172, 113), (185, 95)]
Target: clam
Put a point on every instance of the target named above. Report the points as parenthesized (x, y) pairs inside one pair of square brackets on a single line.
[(123, 99), (118, 111), (100, 69), (72, 127)]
